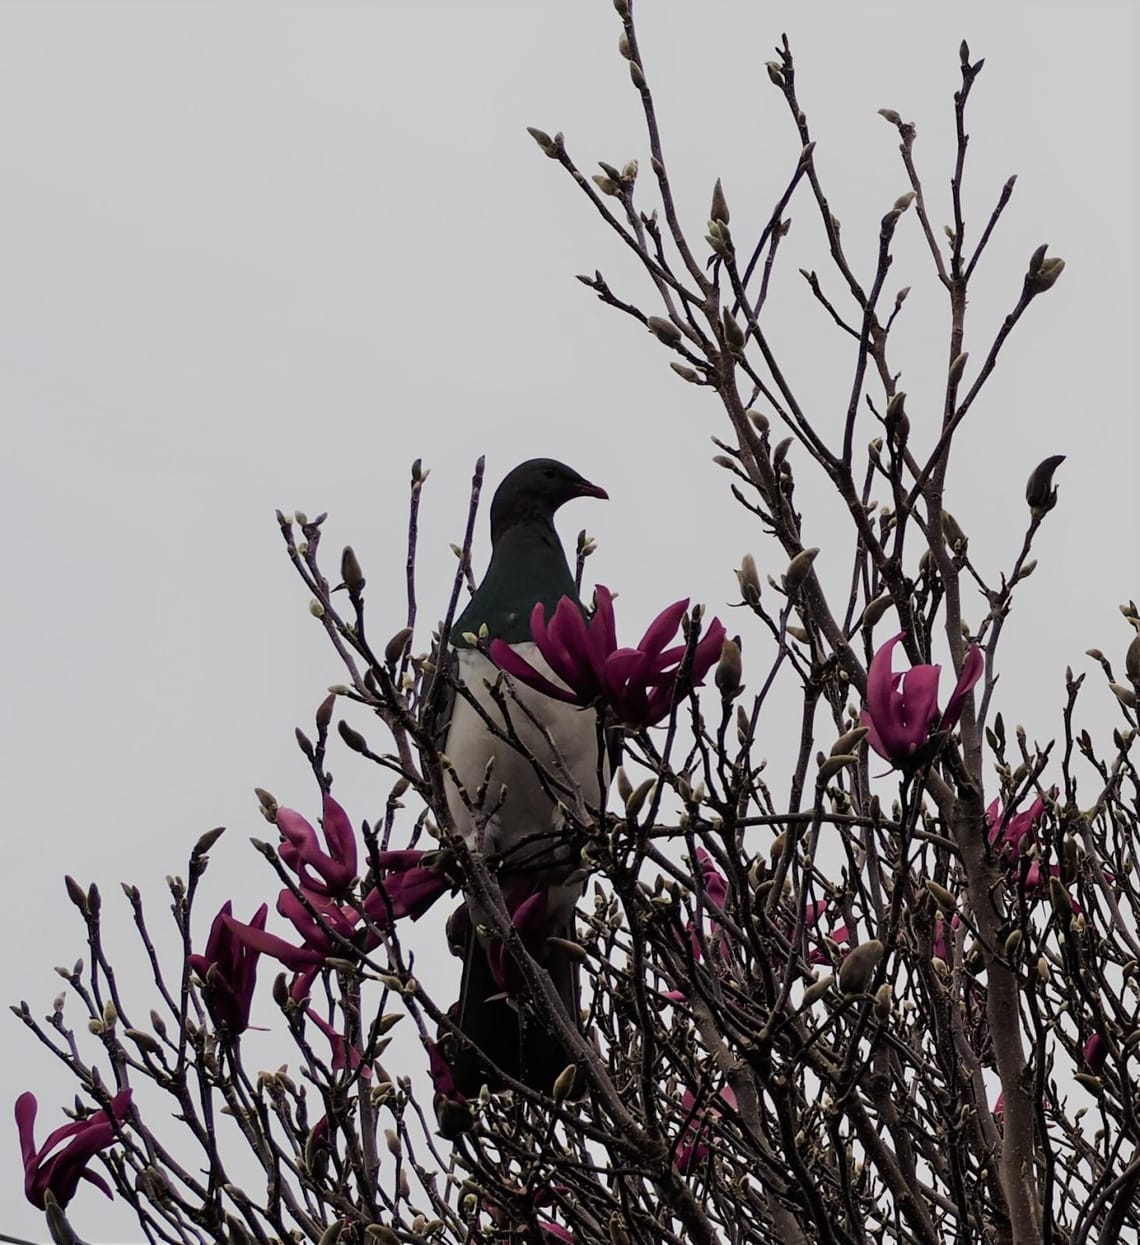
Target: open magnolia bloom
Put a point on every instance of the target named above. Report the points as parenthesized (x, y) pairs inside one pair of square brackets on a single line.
[(58, 1170), (638, 684), (229, 969), (901, 710)]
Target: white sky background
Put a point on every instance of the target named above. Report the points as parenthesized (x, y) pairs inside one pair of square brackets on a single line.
[(262, 255)]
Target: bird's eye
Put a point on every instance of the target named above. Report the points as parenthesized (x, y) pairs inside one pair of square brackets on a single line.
[(549, 473)]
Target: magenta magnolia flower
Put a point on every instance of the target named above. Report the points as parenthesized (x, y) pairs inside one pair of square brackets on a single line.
[(530, 919), (902, 709), (1016, 827), (317, 942), (1095, 1053), (343, 1055), (61, 1172), (638, 684), (693, 1149), (301, 850), (442, 1075), (229, 969), (407, 888), (716, 891)]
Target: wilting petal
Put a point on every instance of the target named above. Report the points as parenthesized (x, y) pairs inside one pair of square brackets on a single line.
[(518, 667), (972, 669)]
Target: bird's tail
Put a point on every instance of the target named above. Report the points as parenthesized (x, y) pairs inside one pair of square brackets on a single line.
[(505, 1037)]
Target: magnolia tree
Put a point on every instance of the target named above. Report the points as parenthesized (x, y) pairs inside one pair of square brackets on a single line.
[(890, 994)]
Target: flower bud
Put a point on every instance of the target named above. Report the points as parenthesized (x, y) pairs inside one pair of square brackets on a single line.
[(686, 373), (1060, 898), (1132, 660), (798, 569), (1048, 273), (1039, 490), (889, 115), (817, 990), (775, 74), (833, 764), (858, 968), (733, 333), (207, 840), (955, 537), (352, 738), (941, 896), (958, 366), (664, 330), (544, 141), (719, 209), (564, 1082), (882, 1007), (618, 1233), (350, 571), (76, 893), (849, 741), (636, 76), (875, 610), (1126, 695), (729, 670), (749, 579), (637, 799)]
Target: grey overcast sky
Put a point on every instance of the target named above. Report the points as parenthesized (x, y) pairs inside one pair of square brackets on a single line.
[(261, 255)]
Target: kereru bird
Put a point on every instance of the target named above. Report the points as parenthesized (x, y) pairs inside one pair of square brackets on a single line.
[(523, 832)]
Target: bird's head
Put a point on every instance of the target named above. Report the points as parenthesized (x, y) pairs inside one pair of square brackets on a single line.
[(534, 490)]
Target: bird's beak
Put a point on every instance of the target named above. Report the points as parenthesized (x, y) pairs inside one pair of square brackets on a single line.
[(586, 489)]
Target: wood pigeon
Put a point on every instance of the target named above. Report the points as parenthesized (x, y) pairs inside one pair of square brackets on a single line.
[(522, 835)]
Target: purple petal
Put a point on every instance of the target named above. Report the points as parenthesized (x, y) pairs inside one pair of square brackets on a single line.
[(602, 629), (707, 652), (26, 1107), (972, 669), (295, 958), (519, 668), (340, 836), (662, 629), (297, 831), (570, 643), (1095, 1053), (920, 702)]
